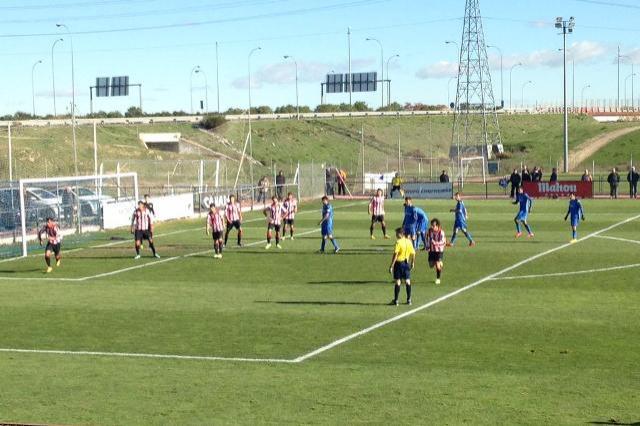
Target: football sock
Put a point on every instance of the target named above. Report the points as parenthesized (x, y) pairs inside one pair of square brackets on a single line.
[(268, 238), (396, 292), (220, 247), (384, 229), (277, 239), (408, 291), (517, 227), (528, 228), (468, 235), (335, 244), (423, 236), (575, 234), (48, 260), (438, 273), (371, 229), (291, 232), (137, 249), (239, 237), (226, 237), (324, 242), (454, 236), (153, 248)]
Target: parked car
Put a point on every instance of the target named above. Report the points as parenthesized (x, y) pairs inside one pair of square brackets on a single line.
[(89, 200), (10, 218)]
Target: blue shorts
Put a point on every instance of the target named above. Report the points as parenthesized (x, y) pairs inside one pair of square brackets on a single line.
[(409, 229), (460, 225), (575, 220), (522, 216), (402, 271), (327, 229)]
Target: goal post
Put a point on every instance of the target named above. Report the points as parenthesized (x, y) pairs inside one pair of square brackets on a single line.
[(473, 167), (76, 202)]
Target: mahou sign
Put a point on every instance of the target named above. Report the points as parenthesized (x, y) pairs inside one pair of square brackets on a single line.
[(558, 189)]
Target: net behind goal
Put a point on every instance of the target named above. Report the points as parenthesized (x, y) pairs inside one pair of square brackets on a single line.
[(76, 202)]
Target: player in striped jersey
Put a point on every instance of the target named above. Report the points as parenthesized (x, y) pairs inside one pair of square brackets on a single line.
[(233, 217), (289, 209), (376, 210), (142, 228), (437, 242), (273, 214), (54, 242), (215, 224)]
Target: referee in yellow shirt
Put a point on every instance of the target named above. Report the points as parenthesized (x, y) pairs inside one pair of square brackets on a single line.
[(403, 262)]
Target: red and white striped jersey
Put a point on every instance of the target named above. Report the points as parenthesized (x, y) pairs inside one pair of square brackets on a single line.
[(53, 233), (377, 206), (436, 240), (142, 220), (274, 213), (233, 212), (289, 208), (216, 221)]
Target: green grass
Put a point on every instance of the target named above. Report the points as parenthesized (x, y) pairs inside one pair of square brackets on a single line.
[(559, 350), (531, 139), (617, 154)]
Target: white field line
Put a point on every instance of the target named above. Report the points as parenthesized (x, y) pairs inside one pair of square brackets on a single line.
[(137, 355), (452, 294), (180, 231), (326, 347), (624, 240), (562, 274)]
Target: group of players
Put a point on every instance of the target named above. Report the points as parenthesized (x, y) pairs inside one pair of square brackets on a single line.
[(416, 228)]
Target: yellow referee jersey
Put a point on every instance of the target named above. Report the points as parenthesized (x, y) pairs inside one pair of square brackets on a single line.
[(396, 181), (404, 250)]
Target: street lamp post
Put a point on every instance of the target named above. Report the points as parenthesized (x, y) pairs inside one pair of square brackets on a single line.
[(522, 92), (33, 87), (193, 71), (73, 100), (389, 82), (567, 28), (381, 68), (217, 78), (588, 86), (53, 76), (449, 91), (297, 96), (206, 89), (249, 115), (501, 74), (510, 76)]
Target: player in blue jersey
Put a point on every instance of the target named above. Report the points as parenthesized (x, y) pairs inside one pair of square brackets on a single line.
[(410, 222), (525, 203), (460, 222), (421, 228), (576, 213), (326, 225)]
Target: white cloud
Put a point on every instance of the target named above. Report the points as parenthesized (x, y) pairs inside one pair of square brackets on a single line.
[(442, 69)]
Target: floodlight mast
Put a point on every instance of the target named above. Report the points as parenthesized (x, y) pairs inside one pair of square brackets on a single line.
[(567, 28)]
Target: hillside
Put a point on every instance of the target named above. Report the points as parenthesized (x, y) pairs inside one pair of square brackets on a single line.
[(535, 140)]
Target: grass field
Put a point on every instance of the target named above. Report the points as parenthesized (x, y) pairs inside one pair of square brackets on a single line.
[(255, 338)]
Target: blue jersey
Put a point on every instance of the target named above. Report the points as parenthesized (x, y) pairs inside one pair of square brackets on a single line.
[(410, 217), (461, 213), (423, 220), (327, 214), (525, 203), (575, 209)]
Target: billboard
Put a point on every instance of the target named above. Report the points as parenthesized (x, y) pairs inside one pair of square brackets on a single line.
[(558, 189), (428, 191)]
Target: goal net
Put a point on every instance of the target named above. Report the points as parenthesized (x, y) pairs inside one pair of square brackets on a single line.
[(472, 169), (80, 204)]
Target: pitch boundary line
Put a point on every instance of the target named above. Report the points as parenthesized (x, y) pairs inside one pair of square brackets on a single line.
[(333, 344), (562, 274), (624, 240)]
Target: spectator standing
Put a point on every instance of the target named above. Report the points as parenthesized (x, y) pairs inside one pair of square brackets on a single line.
[(515, 179), (586, 177), (263, 189), (536, 174), (444, 177), (69, 206), (614, 181), (396, 185), (328, 182), (341, 178), (554, 175), (632, 178), (281, 181), (526, 176)]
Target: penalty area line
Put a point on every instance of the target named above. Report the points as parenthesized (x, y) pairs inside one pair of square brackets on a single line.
[(624, 240), (562, 274), (448, 296)]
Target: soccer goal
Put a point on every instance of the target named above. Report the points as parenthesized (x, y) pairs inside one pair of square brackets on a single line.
[(472, 167), (78, 203)]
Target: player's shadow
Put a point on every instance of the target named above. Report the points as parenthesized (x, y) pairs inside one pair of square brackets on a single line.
[(22, 271), (352, 282), (614, 422), (318, 303)]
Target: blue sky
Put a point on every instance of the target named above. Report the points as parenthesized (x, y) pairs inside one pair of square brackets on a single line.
[(184, 33)]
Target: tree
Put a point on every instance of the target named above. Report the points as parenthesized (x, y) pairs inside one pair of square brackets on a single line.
[(212, 121), (133, 112)]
